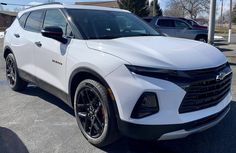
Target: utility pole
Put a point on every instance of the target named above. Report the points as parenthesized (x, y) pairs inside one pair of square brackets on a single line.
[(221, 12), (212, 19), (154, 7), (230, 21)]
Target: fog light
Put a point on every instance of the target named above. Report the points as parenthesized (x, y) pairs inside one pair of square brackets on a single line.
[(146, 105)]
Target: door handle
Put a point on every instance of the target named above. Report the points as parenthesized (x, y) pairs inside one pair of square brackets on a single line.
[(38, 43), (17, 35)]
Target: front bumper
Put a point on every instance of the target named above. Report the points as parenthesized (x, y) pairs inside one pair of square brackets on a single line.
[(127, 88), (174, 131)]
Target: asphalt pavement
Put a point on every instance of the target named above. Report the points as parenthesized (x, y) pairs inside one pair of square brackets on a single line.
[(34, 121)]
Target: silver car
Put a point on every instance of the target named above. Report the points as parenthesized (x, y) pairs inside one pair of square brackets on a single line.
[(176, 27)]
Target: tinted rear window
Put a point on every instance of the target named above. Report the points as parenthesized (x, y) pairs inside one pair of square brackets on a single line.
[(23, 19), (165, 23), (34, 21)]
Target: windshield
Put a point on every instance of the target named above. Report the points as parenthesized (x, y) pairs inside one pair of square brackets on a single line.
[(100, 24), (193, 23)]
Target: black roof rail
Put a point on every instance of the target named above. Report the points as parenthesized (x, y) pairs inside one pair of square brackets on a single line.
[(51, 3)]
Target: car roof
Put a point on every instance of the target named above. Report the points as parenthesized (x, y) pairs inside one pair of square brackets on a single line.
[(168, 17), (60, 5)]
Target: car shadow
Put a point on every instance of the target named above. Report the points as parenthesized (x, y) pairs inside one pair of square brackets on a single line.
[(35, 91), (219, 139), (10, 142)]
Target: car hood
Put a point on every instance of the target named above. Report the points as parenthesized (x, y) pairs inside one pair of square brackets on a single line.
[(200, 27), (161, 52)]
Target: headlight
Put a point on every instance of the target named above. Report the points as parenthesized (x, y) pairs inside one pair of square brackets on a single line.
[(179, 77)]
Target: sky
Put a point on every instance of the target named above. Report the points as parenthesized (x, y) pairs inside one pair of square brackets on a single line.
[(25, 2)]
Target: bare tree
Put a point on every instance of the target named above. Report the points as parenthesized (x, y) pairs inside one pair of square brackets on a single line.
[(192, 8), (138, 7), (174, 9)]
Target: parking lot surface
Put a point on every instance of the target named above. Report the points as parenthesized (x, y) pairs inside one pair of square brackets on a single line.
[(34, 121)]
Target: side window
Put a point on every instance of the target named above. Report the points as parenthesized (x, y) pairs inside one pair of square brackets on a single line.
[(22, 19), (180, 25), (165, 23), (54, 17), (34, 21)]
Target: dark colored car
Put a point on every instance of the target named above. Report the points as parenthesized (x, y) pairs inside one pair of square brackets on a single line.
[(177, 27)]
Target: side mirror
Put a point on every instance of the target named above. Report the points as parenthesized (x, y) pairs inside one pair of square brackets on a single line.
[(54, 33)]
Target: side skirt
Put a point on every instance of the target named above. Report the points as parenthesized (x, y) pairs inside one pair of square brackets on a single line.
[(45, 86)]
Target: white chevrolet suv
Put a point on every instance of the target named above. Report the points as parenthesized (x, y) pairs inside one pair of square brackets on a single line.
[(119, 75)]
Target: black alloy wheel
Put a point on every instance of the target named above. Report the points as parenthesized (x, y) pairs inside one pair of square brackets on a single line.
[(94, 113), (14, 80), (10, 71), (91, 112)]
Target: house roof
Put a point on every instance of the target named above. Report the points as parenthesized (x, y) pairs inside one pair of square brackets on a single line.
[(14, 14), (110, 3)]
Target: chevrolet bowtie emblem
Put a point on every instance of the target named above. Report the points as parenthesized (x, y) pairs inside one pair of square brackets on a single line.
[(221, 76)]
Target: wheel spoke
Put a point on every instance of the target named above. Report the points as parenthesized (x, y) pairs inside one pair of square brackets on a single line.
[(98, 108), (85, 123), (91, 127), (82, 114), (99, 121), (87, 96), (90, 112), (82, 105), (97, 128)]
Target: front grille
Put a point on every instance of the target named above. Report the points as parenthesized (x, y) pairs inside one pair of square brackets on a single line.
[(205, 91)]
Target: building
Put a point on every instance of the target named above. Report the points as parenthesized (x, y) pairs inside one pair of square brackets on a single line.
[(6, 19), (110, 3)]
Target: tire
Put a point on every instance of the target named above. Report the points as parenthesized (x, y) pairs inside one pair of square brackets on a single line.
[(202, 39), (94, 113), (13, 78)]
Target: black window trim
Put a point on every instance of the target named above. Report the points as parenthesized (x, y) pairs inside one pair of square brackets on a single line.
[(19, 17), (41, 22), (76, 33)]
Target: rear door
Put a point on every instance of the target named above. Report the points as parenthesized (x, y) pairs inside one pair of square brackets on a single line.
[(166, 26), (51, 54), (25, 35)]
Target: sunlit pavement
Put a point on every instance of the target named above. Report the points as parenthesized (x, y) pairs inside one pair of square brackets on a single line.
[(36, 122)]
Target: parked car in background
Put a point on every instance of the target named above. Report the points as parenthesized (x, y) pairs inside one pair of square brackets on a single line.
[(148, 19), (176, 27), (194, 24)]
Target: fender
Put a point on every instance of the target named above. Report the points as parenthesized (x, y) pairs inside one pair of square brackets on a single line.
[(100, 78), (6, 50)]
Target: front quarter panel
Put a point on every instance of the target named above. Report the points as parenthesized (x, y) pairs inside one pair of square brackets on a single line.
[(82, 57)]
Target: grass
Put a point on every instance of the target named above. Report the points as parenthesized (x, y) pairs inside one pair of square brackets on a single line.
[(224, 29)]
